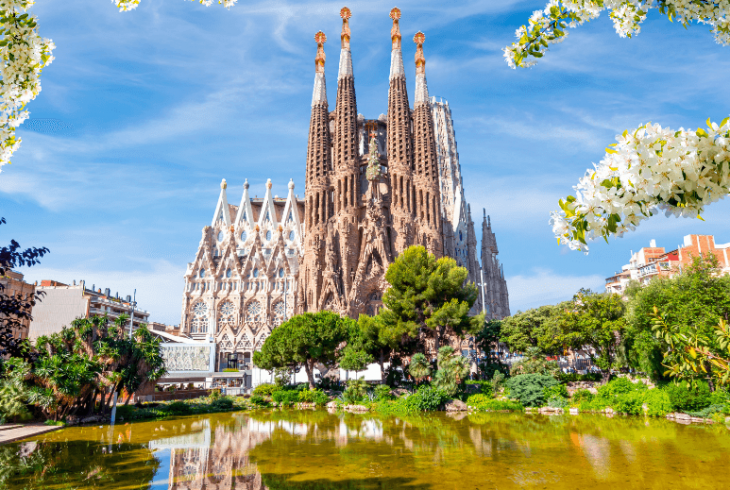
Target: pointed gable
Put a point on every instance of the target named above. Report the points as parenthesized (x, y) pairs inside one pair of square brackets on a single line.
[(267, 215), (222, 210), (245, 213)]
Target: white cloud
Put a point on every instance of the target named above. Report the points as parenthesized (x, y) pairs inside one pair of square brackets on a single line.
[(159, 287), (545, 287)]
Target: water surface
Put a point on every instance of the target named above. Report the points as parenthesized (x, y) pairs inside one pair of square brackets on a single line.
[(320, 450)]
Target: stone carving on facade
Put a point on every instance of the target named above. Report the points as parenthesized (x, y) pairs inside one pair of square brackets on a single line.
[(185, 357)]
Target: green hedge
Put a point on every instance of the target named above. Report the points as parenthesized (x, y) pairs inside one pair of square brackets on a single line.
[(484, 403), (529, 389), (266, 389)]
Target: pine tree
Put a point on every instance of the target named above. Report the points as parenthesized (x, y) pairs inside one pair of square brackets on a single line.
[(429, 298)]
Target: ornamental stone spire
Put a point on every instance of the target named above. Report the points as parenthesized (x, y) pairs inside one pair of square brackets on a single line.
[(320, 87), (400, 145), (396, 55), (345, 54), (421, 87)]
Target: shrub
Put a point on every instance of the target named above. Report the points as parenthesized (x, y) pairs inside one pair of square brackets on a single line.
[(315, 396), (178, 408), (266, 389), (477, 401), (429, 398), (285, 397), (258, 401), (485, 387), (497, 381), (708, 412), (617, 387), (356, 390), (573, 377), (658, 403), (222, 404), (529, 389), (685, 398), (579, 396), (557, 401), (483, 403), (630, 403), (214, 395), (555, 390), (720, 397), (382, 392)]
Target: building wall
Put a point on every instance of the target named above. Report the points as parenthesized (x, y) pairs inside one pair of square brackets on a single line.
[(57, 307), (60, 304), (15, 286)]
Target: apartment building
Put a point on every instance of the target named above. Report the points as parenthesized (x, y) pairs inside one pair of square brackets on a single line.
[(62, 303)]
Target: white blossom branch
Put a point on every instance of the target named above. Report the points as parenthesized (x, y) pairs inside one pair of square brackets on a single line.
[(549, 26), (649, 169)]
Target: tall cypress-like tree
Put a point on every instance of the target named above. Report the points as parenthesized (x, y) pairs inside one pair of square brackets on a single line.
[(429, 298)]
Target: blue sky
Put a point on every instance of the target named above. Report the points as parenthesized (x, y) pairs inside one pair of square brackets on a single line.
[(143, 113)]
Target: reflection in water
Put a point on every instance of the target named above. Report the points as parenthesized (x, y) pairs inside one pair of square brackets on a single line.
[(316, 449)]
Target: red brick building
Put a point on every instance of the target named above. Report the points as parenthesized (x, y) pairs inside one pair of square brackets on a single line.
[(653, 261)]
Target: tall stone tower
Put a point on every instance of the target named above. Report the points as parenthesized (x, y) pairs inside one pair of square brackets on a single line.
[(363, 208), (318, 187), (494, 291)]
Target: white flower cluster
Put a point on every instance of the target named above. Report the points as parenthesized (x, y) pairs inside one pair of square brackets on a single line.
[(548, 26), (126, 5), (679, 172), (24, 54)]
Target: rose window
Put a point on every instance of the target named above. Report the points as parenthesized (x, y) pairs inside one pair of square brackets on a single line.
[(227, 314), (199, 323), (253, 312)]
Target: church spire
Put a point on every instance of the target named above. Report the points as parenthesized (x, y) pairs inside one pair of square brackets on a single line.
[(346, 138), (428, 205), (400, 144), (421, 87), (345, 54), (320, 87), (318, 153), (396, 54)]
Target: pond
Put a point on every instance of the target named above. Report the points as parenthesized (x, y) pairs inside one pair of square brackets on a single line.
[(321, 450)]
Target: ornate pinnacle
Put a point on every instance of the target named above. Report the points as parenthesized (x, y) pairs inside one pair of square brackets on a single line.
[(395, 36), (345, 13), (321, 58), (223, 184), (419, 38)]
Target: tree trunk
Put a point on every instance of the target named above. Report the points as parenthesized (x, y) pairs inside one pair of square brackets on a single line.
[(381, 362), (102, 402), (309, 368)]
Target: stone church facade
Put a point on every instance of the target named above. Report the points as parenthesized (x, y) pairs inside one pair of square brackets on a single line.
[(373, 187)]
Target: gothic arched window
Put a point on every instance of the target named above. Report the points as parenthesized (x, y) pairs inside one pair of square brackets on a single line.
[(220, 236), (202, 273), (253, 312), (226, 315), (281, 272), (256, 272), (268, 235), (291, 235), (243, 236), (199, 323), (229, 273)]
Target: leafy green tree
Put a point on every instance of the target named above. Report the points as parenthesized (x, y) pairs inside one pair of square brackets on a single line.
[(596, 321), (419, 367), (304, 341), (691, 305), (535, 362), (381, 342), (428, 298), (486, 340), (453, 369), (537, 327), (67, 370)]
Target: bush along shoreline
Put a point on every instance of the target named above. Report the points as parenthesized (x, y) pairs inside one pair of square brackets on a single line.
[(528, 393)]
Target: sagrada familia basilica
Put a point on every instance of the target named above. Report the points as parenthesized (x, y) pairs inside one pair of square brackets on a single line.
[(373, 188)]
